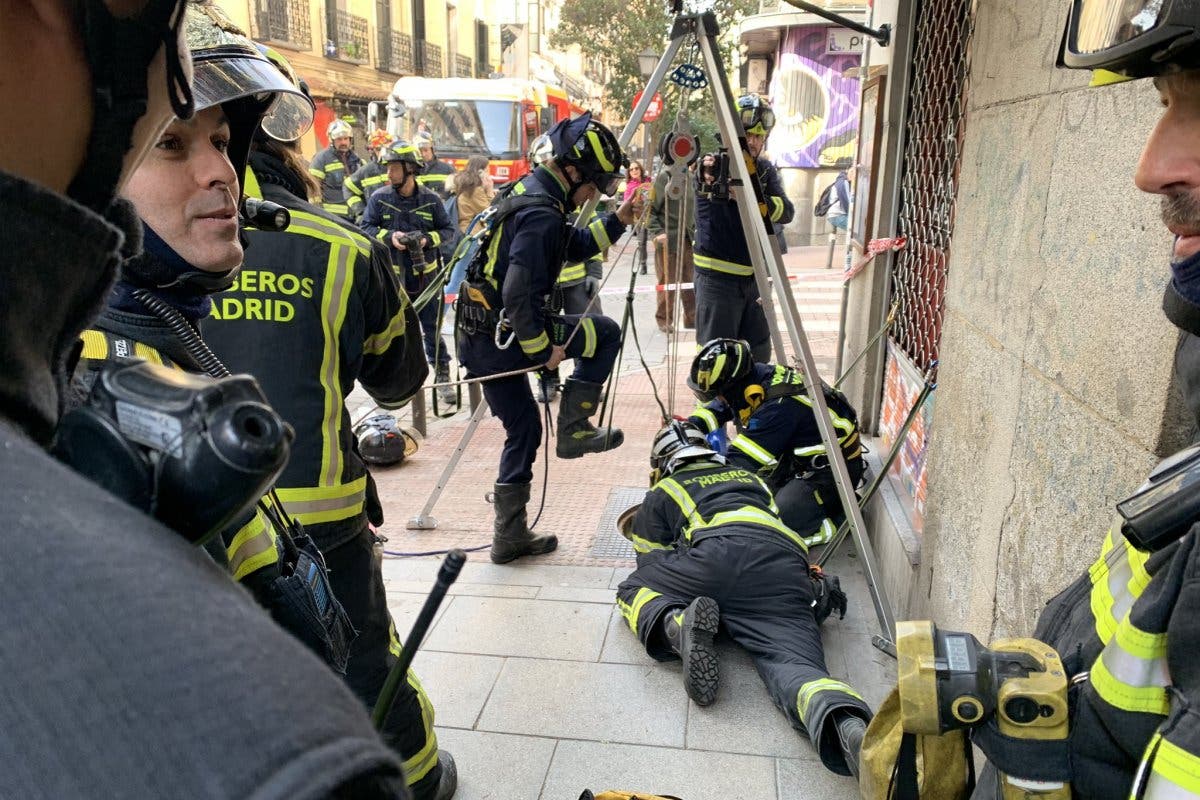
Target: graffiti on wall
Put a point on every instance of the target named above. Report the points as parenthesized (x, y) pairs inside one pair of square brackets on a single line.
[(816, 109)]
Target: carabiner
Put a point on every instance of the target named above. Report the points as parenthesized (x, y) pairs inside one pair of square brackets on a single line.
[(512, 333)]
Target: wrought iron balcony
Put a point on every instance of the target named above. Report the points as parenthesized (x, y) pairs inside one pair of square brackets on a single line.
[(429, 62), (347, 37), (395, 52), (462, 65), (284, 21)]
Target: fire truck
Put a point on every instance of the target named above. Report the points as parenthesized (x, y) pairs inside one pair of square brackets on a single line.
[(498, 118)]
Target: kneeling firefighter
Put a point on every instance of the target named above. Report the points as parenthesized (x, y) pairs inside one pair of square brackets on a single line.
[(349, 322), (778, 436), (186, 194), (712, 551), (503, 324), (1125, 631)]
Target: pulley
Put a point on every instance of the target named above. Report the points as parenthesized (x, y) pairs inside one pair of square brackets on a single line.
[(689, 76)]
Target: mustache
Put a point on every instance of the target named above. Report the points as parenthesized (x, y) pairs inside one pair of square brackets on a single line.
[(1181, 211)]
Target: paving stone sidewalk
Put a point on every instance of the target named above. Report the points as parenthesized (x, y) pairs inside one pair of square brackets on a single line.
[(539, 687)]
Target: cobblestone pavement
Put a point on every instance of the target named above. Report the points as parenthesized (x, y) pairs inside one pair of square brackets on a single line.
[(540, 689)]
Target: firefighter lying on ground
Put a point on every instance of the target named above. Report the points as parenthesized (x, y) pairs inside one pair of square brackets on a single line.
[(399, 210), (507, 326), (713, 553), (778, 436)]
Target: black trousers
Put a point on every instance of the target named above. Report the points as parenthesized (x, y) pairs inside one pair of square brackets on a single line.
[(727, 306), (811, 506), (765, 597), (356, 575), (435, 346)]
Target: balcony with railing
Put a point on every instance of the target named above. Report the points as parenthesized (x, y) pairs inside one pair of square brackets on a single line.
[(348, 39), (429, 60), (462, 65), (395, 53), (282, 21)]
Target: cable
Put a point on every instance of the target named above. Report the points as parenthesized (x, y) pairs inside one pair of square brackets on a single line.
[(398, 554)]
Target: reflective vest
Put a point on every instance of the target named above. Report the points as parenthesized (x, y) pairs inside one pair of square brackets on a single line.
[(361, 185), (331, 172)]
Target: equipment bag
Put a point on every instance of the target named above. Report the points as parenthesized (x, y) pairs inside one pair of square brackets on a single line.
[(611, 795), (895, 765), (824, 202)]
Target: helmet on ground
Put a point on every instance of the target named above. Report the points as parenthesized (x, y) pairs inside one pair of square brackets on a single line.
[(232, 72), (292, 115), (379, 138), (720, 364), (678, 443), (590, 148), (382, 442), (339, 129), (541, 151), (1132, 38), (401, 151), (756, 114)]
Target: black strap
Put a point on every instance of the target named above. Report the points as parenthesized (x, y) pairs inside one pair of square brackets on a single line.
[(903, 785), (1034, 759)]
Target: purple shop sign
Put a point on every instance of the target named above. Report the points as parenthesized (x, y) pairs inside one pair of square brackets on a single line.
[(816, 109)]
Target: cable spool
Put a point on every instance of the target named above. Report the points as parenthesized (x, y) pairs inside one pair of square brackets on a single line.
[(678, 147)]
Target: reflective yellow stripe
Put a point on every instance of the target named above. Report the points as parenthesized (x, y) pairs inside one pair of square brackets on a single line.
[(600, 233), (325, 503), (593, 139), (631, 610), (747, 515), (354, 202), (352, 186), (335, 208), (572, 272), (1131, 673), (1118, 578), (95, 345), (589, 336), (316, 173), (707, 416), (1174, 772), (420, 763), (816, 449), (380, 342), (824, 534), (643, 545), (752, 449), (717, 265), (811, 689), (682, 499), (334, 166), (253, 546), (536, 344), (776, 208)]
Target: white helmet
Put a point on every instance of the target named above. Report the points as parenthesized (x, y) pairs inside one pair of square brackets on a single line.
[(677, 444), (339, 129), (541, 150)]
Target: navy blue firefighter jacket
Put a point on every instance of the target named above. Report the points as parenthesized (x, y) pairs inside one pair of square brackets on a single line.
[(720, 243)]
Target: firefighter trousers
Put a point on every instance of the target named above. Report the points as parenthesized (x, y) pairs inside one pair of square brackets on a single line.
[(811, 506), (728, 306), (356, 575), (765, 598), (435, 345)]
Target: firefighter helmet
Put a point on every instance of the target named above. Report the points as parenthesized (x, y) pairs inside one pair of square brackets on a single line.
[(540, 151), (756, 114), (401, 151), (339, 129), (591, 148), (1132, 38), (382, 442), (678, 443), (720, 364)]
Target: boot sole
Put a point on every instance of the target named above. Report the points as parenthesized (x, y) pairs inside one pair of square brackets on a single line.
[(701, 672), (539, 550)]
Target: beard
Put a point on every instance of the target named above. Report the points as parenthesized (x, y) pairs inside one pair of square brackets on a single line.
[(1181, 211)]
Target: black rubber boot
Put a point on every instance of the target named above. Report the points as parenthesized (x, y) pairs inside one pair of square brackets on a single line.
[(576, 435), (446, 394), (850, 731), (448, 783), (513, 538), (690, 633)]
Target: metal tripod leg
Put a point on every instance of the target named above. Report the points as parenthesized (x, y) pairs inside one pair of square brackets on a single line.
[(424, 521), (768, 267)]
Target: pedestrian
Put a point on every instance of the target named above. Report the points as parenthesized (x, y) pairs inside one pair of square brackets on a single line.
[(636, 176), (727, 299), (522, 262), (474, 189), (839, 208), (672, 223), (171, 681), (333, 165)]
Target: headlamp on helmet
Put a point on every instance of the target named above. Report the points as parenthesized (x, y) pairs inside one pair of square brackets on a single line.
[(679, 443), (720, 364), (1132, 38), (756, 114)]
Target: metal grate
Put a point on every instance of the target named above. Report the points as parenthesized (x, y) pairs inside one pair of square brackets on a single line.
[(285, 21), (929, 182), (348, 38), (395, 52), (609, 541), (430, 62), (462, 66)]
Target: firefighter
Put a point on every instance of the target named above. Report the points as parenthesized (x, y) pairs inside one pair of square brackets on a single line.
[(332, 165), (577, 285), (326, 296), (1124, 627), (503, 324), (434, 171), (367, 178), (727, 299), (171, 681), (778, 435), (399, 210), (712, 552)]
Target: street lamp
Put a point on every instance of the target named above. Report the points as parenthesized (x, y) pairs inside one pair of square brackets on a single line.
[(647, 61)]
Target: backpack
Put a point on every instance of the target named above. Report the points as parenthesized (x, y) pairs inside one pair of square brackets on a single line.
[(825, 201), (468, 256)]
